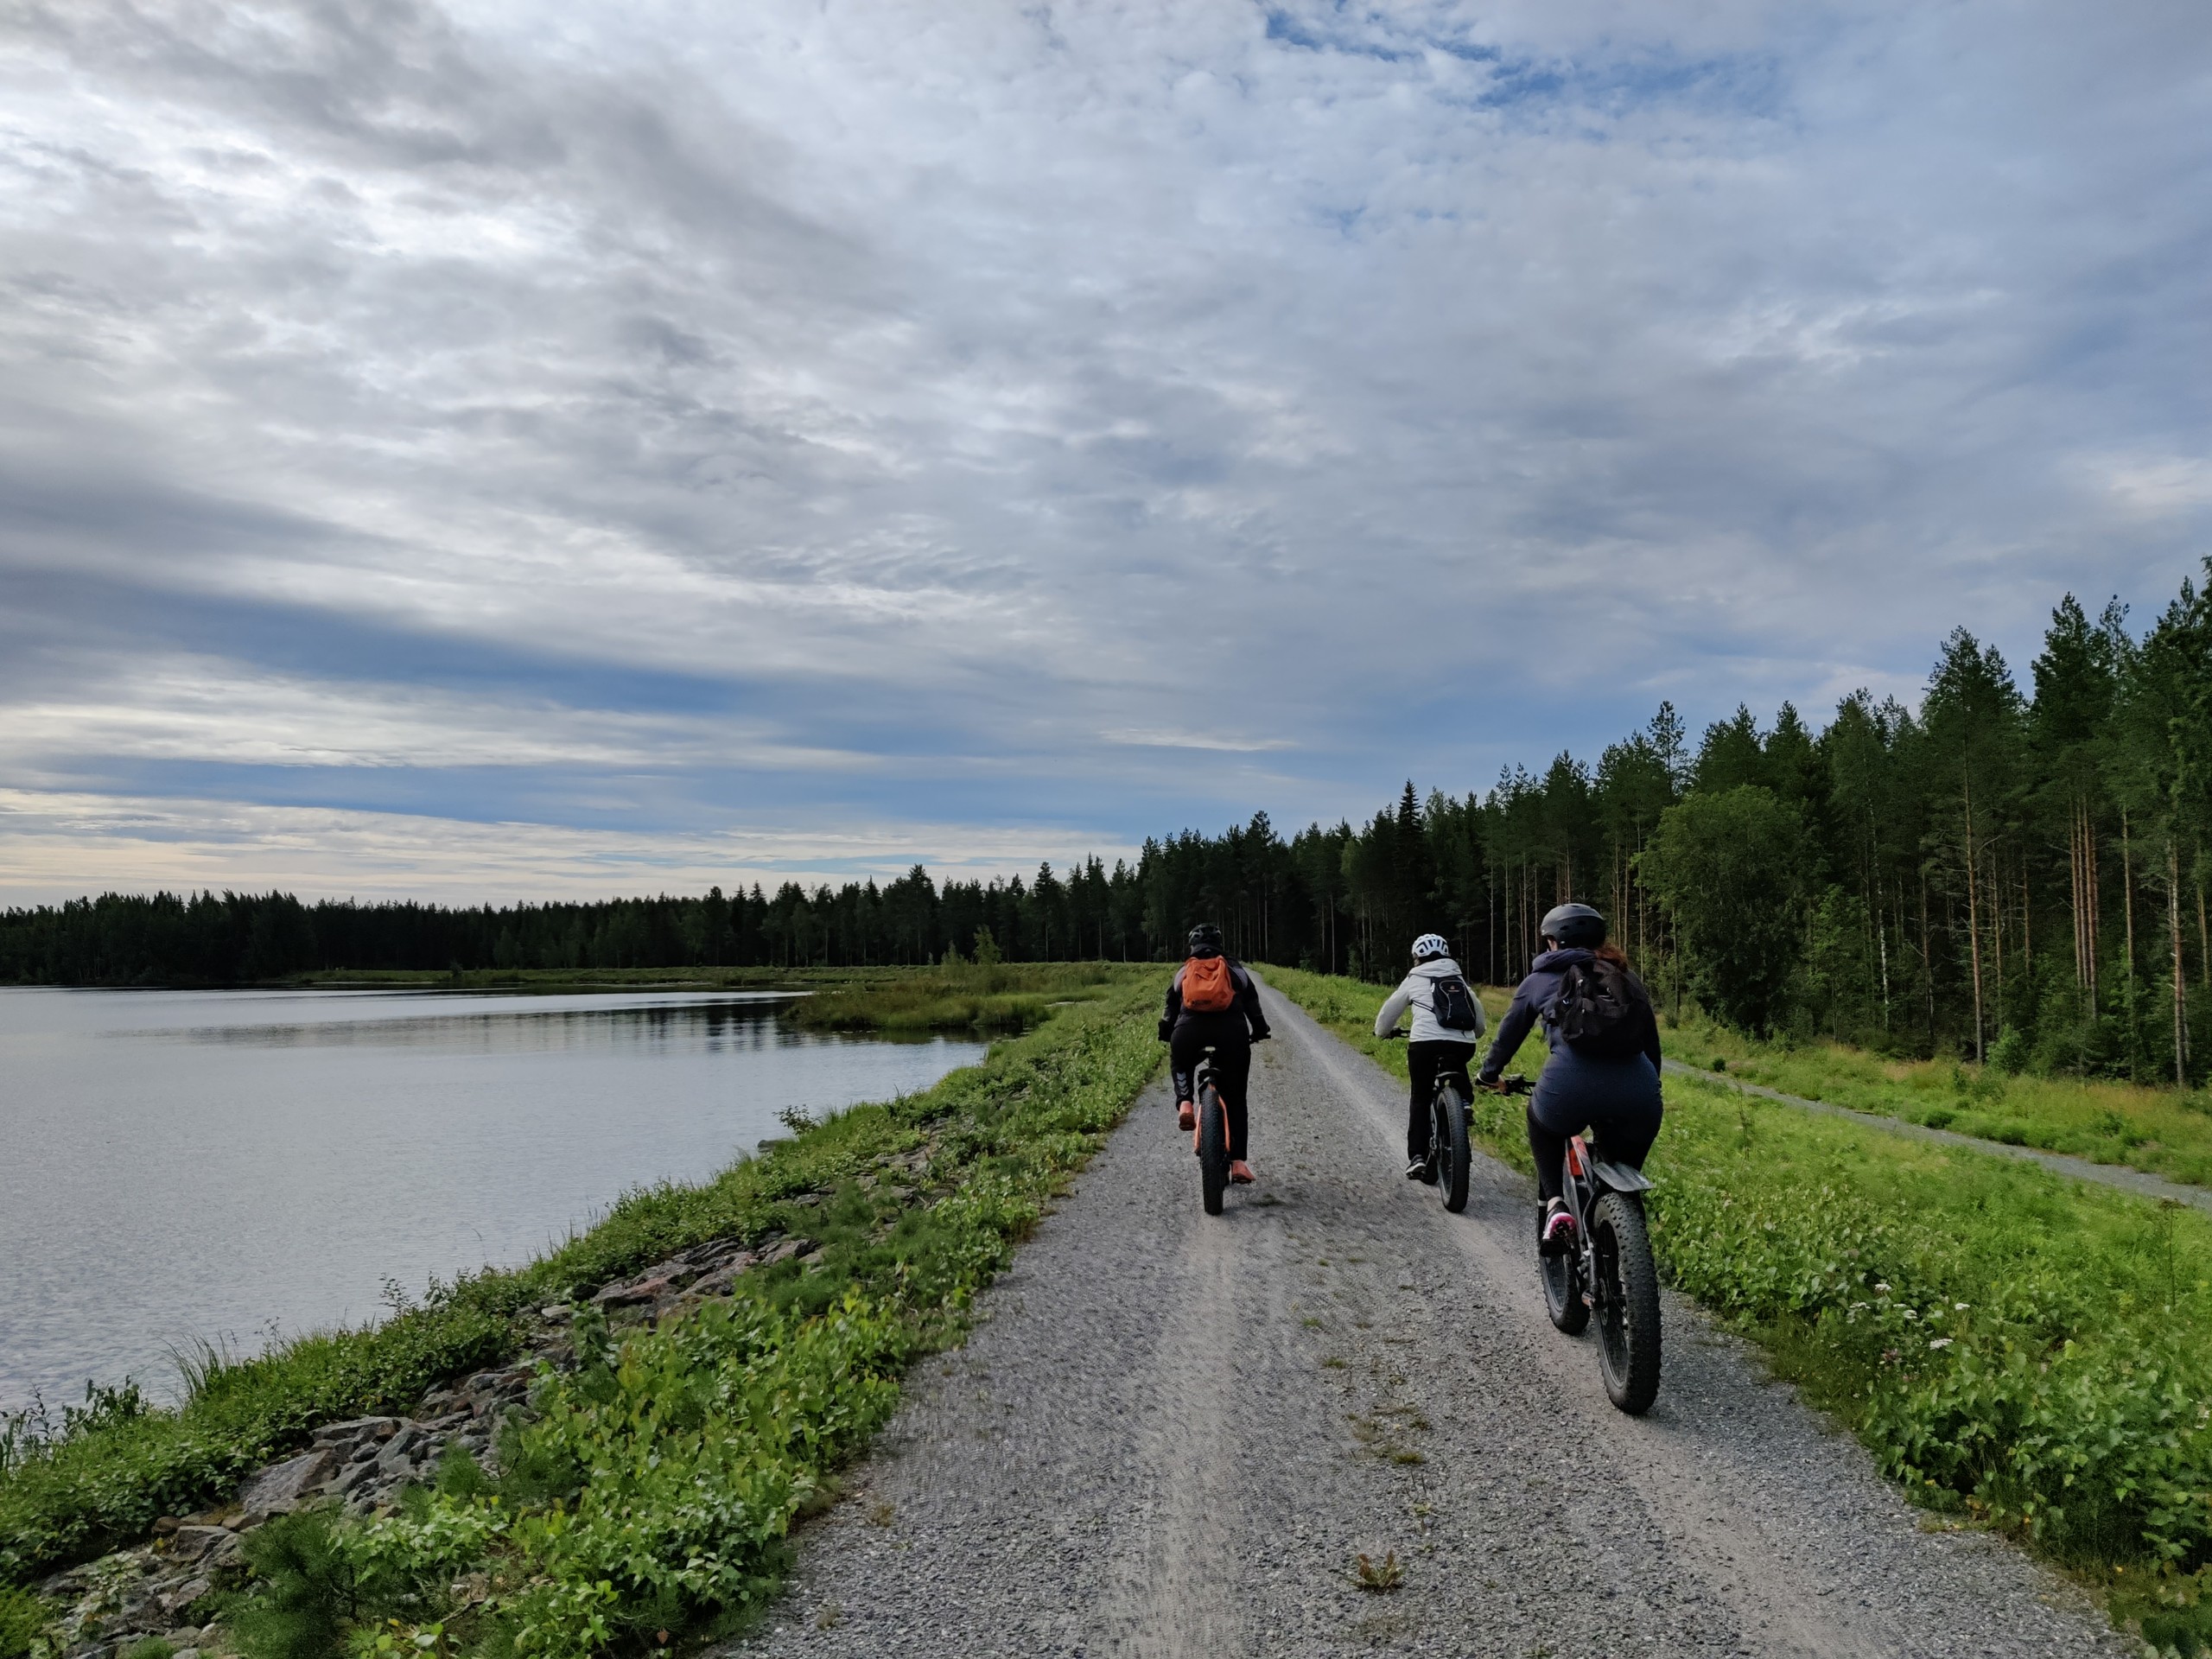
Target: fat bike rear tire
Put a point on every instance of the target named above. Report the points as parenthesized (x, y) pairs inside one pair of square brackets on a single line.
[(1213, 1149), (1448, 1145), (1627, 1324)]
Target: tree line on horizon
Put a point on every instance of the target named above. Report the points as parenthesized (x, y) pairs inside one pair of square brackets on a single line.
[(2005, 873)]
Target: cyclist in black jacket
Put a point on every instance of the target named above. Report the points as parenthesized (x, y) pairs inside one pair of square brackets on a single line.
[(1618, 1098), (1229, 1031)]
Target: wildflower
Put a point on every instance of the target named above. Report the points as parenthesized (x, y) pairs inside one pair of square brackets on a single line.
[(1881, 1287), (1958, 1307), (1941, 1342)]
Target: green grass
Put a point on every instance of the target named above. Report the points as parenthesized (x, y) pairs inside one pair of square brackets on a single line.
[(995, 997), (737, 1415), (2017, 1349), (2163, 1131)]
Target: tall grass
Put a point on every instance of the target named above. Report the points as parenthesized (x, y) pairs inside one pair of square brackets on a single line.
[(995, 998), (2016, 1349), (2165, 1131)]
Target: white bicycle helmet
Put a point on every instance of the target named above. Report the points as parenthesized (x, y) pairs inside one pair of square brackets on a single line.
[(1430, 944)]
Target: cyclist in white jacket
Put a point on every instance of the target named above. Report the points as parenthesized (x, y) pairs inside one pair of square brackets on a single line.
[(1434, 1047)]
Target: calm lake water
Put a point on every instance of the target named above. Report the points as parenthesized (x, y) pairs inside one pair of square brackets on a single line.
[(180, 1165)]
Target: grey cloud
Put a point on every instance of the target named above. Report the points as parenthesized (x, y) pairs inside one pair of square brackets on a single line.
[(1035, 378)]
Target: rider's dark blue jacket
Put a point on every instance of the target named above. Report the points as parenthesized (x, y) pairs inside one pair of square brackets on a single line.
[(1538, 992)]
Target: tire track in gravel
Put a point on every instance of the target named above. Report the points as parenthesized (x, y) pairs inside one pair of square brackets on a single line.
[(1171, 1434)]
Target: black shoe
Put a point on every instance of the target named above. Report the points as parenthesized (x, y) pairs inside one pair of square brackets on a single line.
[(1420, 1169)]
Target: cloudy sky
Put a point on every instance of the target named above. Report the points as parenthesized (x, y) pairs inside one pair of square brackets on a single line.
[(498, 449)]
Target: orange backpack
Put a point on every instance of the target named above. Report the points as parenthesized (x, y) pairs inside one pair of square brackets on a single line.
[(1208, 986)]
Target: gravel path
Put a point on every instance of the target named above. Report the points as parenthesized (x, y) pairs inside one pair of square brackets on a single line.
[(2138, 1181), (1174, 1435)]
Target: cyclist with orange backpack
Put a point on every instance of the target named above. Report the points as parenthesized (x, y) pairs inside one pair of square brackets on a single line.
[(1212, 1002)]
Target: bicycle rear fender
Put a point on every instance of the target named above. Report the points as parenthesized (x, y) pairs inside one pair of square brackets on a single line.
[(1619, 1177)]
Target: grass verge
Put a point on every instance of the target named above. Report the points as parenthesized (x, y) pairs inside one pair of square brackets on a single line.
[(653, 1487), (2165, 1131), (2018, 1350)]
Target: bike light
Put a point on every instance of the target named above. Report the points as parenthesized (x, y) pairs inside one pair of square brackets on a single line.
[(1574, 1158)]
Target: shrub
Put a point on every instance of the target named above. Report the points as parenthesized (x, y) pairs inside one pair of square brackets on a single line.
[(22, 1617)]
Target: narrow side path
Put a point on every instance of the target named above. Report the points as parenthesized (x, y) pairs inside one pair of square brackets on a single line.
[(2138, 1181), (1173, 1434)]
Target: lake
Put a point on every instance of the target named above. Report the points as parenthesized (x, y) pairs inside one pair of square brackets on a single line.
[(177, 1166)]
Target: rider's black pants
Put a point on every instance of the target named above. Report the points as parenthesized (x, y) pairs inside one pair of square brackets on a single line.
[(1231, 1040), (1619, 1099), (1427, 1061)]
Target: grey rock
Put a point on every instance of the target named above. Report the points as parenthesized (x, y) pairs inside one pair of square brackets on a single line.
[(177, 1600), (278, 1489), (401, 1450), (217, 1546), (359, 1428), (719, 1281), (637, 1292), (352, 1477)]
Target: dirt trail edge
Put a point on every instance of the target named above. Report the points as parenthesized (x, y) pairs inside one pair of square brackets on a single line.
[(1174, 1435)]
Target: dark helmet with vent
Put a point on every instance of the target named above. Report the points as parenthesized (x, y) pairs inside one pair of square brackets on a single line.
[(1573, 925)]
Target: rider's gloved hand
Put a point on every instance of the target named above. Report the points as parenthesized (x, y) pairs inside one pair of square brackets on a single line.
[(1488, 1079), (1261, 1034), (1167, 1031)]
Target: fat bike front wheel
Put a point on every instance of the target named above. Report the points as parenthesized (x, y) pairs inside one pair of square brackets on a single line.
[(1213, 1149), (1448, 1146)]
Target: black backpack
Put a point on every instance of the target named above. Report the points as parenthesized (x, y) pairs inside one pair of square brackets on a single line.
[(1453, 1004), (1600, 1010)]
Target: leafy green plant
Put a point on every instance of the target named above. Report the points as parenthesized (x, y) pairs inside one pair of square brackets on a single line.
[(23, 1618), (1378, 1577)]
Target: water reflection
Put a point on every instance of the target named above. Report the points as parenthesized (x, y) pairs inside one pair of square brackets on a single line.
[(708, 1028), (181, 1165)]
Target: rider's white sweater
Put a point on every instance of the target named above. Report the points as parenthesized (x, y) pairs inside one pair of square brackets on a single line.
[(1418, 993)]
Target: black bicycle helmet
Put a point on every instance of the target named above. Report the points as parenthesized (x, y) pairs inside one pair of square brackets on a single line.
[(1573, 925), (1205, 936)]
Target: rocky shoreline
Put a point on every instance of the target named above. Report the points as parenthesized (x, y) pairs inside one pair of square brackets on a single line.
[(172, 1587)]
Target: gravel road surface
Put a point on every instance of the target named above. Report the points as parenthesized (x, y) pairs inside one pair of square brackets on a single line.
[(1173, 1434)]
